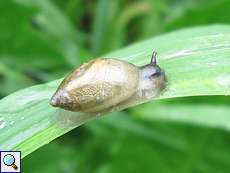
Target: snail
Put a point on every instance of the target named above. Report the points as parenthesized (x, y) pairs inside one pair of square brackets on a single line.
[(106, 84)]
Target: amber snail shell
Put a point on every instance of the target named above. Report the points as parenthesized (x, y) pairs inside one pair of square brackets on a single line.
[(105, 84)]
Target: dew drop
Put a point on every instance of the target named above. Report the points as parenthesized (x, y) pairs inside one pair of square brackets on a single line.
[(224, 81), (12, 123), (213, 63), (2, 124), (22, 118), (98, 114)]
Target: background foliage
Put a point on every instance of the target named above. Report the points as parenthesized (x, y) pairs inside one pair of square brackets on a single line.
[(42, 40)]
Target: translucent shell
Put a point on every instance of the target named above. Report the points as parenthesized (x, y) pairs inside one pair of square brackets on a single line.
[(97, 86)]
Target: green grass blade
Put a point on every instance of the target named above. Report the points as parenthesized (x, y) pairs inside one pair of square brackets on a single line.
[(210, 114), (196, 61)]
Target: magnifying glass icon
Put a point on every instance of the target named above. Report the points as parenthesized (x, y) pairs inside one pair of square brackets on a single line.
[(9, 160)]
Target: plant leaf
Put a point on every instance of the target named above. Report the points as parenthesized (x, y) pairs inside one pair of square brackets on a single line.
[(196, 62), (213, 113)]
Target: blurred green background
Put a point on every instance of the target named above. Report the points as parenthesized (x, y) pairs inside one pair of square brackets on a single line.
[(42, 40)]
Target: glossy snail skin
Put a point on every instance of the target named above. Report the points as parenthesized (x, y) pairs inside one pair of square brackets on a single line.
[(103, 85)]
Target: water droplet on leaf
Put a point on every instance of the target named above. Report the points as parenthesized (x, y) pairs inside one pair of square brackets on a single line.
[(2, 124), (12, 123), (224, 81)]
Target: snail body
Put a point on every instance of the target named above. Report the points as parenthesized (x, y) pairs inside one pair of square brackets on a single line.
[(104, 84)]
